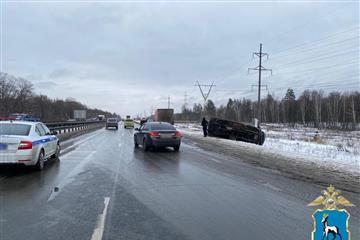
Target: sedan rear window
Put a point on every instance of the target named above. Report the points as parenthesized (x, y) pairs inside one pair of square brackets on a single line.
[(14, 129), (162, 126), (111, 120)]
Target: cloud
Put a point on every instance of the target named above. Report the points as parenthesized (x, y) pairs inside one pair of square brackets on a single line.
[(138, 54), (60, 73), (45, 85)]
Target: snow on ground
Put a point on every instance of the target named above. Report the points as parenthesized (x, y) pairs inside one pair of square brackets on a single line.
[(336, 149)]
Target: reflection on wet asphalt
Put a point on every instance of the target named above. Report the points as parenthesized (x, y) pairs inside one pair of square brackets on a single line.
[(163, 194)]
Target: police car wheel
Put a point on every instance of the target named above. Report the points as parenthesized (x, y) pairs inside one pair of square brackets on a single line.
[(40, 163), (57, 152)]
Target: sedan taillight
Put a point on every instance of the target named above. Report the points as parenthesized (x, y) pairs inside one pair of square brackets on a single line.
[(177, 134), (154, 134), (24, 145)]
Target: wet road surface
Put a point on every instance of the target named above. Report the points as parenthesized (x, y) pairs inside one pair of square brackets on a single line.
[(106, 189)]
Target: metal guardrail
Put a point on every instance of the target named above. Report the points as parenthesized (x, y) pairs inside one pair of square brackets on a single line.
[(63, 127)]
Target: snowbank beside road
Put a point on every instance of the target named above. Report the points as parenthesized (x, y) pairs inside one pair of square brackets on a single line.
[(338, 151)]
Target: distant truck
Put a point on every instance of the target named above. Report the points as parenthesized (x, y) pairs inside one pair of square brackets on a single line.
[(164, 115), (129, 122), (236, 131), (101, 117)]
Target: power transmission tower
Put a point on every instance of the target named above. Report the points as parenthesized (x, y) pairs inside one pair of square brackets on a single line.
[(205, 95), (260, 68)]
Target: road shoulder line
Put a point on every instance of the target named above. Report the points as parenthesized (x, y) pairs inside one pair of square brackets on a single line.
[(99, 230)]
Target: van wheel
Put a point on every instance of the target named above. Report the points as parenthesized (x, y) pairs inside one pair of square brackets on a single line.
[(40, 163), (261, 138)]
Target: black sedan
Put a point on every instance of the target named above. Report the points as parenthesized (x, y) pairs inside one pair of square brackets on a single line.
[(156, 135)]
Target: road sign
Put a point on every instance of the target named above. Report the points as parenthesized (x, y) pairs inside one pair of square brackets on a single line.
[(80, 114)]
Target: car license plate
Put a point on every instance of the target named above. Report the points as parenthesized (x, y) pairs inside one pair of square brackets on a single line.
[(166, 135), (3, 146)]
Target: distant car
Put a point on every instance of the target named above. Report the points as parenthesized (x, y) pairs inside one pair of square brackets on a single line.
[(129, 123), (112, 123), (7, 118), (157, 134), (27, 143), (24, 117)]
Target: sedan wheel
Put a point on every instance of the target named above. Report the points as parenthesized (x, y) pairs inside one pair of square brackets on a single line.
[(145, 146)]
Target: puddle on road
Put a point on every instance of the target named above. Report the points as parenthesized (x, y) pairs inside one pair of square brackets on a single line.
[(70, 177)]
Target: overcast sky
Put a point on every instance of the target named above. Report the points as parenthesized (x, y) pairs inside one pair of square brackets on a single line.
[(129, 57)]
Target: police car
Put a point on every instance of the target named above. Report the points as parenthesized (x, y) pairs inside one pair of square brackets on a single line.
[(27, 143)]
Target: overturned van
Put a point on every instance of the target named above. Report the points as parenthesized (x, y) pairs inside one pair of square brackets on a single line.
[(236, 131)]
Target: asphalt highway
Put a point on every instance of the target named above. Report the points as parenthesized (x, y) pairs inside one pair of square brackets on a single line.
[(104, 188)]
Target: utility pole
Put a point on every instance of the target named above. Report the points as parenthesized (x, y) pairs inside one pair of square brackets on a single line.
[(184, 110), (260, 68), (168, 102), (185, 100), (205, 95)]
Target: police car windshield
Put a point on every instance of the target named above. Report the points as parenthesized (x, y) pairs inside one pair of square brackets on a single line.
[(14, 129)]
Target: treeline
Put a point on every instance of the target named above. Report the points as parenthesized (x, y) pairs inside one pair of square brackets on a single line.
[(311, 108), (17, 96)]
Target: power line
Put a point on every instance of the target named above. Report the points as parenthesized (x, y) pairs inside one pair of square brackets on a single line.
[(306, 60), (309, 21), (319, 68), (348, 69), (319, 40), (323, 47)]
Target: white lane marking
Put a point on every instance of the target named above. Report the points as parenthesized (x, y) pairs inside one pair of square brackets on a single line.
[(99, 230), (272, 187), (81, 142), (213, 159)]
